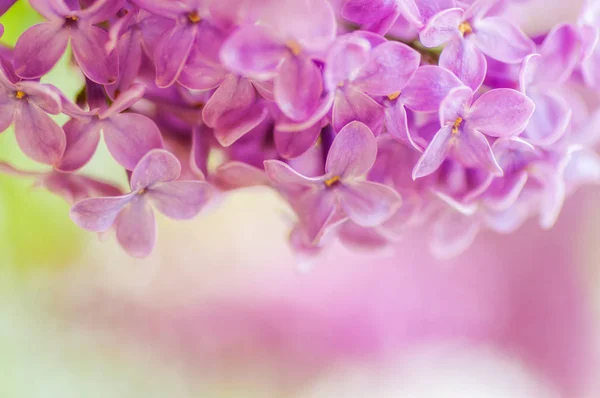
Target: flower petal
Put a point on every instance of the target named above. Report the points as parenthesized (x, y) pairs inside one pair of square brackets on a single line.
[(352, 153), (82, 140), (502, 40), (550, 119), (129, 136), (560, 53), (98, 214), (298, 87), (501, 112), (318, 213), (88, 44), (234, 175), (345, 59), (455, 105), (441, 28), (125, 100), (353, 105), (136, 228), (466, 61), (172, 52), (368, 203), (253, 52), (293, 144), (453, 233), (428, 87), (390, 67), (38, 136), (180, 200), (7, 112), (157, 166), (288, 180), (434, 155), (396, 124), (472, 149), (38, 49)]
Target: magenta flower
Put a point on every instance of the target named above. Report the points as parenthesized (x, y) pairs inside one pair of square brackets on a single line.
[(469, 35), (465, 124), (282, 47), (153, 182), (41, 46), (362, 66), (27, 104), (341, 193), (128, 136)]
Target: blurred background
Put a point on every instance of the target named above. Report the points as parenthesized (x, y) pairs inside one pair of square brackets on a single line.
[(222, 308)]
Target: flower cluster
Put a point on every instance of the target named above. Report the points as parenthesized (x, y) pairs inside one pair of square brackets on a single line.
[(371, 118)]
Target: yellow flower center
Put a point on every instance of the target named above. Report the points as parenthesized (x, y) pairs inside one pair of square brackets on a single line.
[(465, 28), (332, 181), (194, 17), (456, 125), (294, 47), (71, 18), (19, 94), (393, 96)]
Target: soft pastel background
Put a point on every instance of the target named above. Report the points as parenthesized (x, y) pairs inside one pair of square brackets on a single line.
[(221, 309)]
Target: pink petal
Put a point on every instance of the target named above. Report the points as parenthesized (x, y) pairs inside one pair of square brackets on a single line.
[(88, 44), (502, 40), (351, 104), (550, 119), (200, 151), (345, 59), (369, 203), (234, 175), (98, 214), (441, 28), (171, 53), (352, 153), (318, 213), (8, 106), (125, 100), (455, 105), (129, 136), (136, 228), (82, 140), (453, 233), (388, 70), (129, 48), (466, 61), (253, 52), (200, 75), (397, 125), (436, 152), (293, 144), (157, 166), (45, 96), (501, 112), (288, 180), (428, 87), (472, 149), (38, 136), (38, 49), (298, 87), (560, 53), (180, 200)]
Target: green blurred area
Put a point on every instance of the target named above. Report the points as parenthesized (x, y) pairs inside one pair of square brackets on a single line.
[(35, 229)]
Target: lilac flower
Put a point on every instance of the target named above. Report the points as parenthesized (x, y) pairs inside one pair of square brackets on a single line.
[(341, 193), (362, 66), (40, 47), (192, 25), (128, 136), (542, 75), (27, 104), (282, 47), (589, 22), (465, 124), (153, 182), (469, 35)]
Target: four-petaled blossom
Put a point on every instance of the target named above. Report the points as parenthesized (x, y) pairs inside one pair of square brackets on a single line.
[(469, 35), (28, 104), (153, 182), (465, 124), (342, 192), (40, 47)]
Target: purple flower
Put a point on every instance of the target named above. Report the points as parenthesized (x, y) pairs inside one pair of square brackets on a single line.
[(40, 47), (153, 182), (193, 25), (282, 47), (361, 66), (469, 35), (341, 193), (541, 76), (465, 124), (27, 104), (128, 136)]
